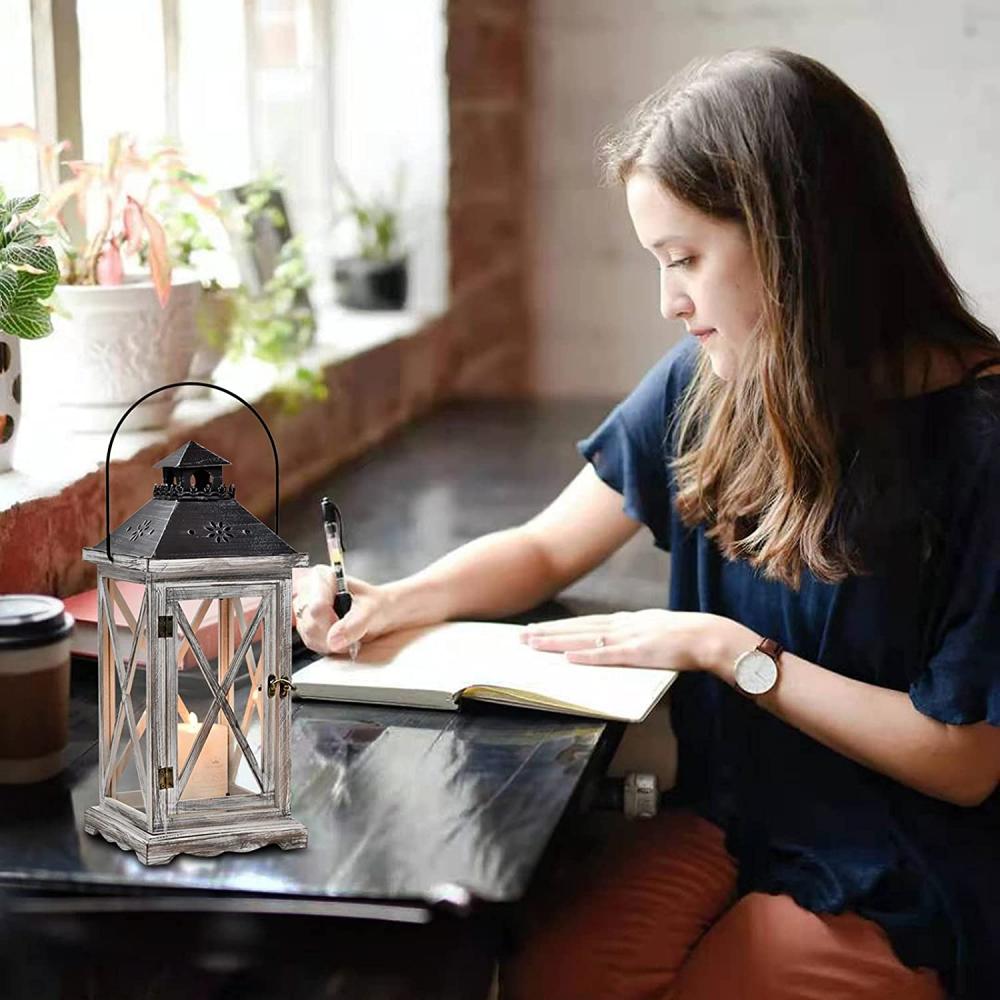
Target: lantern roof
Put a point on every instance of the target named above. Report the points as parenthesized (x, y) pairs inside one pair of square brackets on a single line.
[(194, 515), (191, 456)]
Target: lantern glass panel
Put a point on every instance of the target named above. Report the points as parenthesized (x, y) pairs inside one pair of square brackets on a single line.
[(222, 691), (125, 735)]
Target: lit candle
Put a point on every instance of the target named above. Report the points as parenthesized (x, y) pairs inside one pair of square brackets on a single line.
[(210, 777)]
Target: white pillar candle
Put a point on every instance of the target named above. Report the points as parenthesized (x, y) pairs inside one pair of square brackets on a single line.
[(210, 777)]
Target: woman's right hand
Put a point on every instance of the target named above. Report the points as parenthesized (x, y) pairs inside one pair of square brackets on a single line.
[(313, 591)]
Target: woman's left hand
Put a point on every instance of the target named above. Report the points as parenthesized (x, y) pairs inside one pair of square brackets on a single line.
[(663, 640)]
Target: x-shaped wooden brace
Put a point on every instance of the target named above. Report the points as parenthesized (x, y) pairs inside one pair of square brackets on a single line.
[(219, 693), (126, 712), (254, 670), (182, 709)]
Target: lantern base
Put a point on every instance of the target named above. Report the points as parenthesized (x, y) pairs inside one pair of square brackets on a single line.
[(159, 848)]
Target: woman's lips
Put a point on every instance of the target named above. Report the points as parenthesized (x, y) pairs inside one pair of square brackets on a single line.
[(702, 334)]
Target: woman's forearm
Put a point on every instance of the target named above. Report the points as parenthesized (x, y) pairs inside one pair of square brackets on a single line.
[(496, 575), (875, 726)]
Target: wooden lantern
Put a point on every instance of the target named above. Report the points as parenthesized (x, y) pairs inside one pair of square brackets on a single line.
[(194, 718)]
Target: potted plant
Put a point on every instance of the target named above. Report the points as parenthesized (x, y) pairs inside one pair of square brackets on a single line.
[(196, 233), (127, 319), (272, 319), (28, 274), (375, 277), (276, 325)]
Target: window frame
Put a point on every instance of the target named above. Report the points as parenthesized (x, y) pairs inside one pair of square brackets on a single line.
[(57, 68)]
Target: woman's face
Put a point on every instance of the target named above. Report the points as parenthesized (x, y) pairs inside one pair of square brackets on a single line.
[(708, 277)]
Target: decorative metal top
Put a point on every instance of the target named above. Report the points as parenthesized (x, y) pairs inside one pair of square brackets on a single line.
[(193, 514), (193, 473), (175, 491), (191, 456)]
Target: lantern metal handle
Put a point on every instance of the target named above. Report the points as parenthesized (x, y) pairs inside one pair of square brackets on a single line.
[(175, 385)]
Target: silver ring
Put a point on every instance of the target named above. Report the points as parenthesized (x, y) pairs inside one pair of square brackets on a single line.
[(599, 641)]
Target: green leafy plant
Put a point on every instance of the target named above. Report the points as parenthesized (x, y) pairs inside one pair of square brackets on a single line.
[(195, 225), (276, 325), (258, 203), (29, 270), (185, 233), (114, 202), (376, 219)]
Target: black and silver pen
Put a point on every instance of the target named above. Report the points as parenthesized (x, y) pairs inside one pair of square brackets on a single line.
[(333, 528)]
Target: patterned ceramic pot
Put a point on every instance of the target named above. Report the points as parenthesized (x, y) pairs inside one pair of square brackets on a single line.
[(116, 345), (10, 396)]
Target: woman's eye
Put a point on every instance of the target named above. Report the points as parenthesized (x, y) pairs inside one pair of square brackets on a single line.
[(682, 262)]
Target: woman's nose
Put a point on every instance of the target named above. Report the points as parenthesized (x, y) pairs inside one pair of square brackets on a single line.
[(675, 306)]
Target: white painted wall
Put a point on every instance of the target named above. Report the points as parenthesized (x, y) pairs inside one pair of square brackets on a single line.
[(931, 68)]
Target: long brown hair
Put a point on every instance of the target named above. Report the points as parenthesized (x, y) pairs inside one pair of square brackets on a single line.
[(853, 285)]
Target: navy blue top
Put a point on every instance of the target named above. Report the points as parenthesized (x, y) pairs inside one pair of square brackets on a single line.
[(800, 818)]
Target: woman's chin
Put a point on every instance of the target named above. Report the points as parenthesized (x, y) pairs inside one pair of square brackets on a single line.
[(721, 364)]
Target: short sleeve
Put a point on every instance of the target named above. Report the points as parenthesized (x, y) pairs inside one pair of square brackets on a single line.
[(628, 449), (960, 683)]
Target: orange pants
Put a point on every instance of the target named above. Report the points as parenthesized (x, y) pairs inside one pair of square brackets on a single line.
[(655, 919)]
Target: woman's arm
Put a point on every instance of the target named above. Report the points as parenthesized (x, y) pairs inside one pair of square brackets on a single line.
[(510, 571), (875, 726), (499, 574)]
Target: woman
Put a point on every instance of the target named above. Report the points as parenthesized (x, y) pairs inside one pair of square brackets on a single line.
[(822, 459)]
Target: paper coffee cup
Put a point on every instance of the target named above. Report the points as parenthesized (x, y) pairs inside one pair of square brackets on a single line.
[(34, 687)]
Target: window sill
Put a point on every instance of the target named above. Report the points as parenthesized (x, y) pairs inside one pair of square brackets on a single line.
[(50, 458)]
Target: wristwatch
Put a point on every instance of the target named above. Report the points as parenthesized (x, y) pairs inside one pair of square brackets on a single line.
[(756, 670)]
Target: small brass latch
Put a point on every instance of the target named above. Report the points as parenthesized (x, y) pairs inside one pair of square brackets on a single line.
[(164, 626), (166, 777), (283, 684)]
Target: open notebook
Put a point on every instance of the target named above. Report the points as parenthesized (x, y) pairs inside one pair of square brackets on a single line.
[(436, 666)]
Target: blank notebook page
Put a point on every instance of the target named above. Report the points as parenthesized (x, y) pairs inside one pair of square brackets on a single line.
[(454, 656)]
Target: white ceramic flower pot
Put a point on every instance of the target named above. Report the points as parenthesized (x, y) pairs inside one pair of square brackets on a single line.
[(116, 345), (10, 396)]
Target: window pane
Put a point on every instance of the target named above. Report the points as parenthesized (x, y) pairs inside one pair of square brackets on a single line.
[(18, 164), (213, 101), (122, 72), (289, 103)]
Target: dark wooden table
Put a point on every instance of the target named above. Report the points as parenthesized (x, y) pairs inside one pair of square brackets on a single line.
[(426, 827)]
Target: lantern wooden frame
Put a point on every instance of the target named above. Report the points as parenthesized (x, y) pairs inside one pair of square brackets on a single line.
[(170, 548), (165, 825)]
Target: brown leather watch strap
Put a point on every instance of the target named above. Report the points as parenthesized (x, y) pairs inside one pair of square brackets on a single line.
[(772, 648)]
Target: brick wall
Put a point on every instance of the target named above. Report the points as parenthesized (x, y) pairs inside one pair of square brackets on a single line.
[(489, 101), (480, 347)]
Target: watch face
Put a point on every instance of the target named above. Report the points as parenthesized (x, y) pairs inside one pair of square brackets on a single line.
[(756, 672)]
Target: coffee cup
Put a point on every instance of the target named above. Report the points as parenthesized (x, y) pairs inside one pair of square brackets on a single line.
[(34, 687)]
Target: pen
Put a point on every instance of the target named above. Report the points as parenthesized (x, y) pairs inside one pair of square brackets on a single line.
[(333, 528)]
